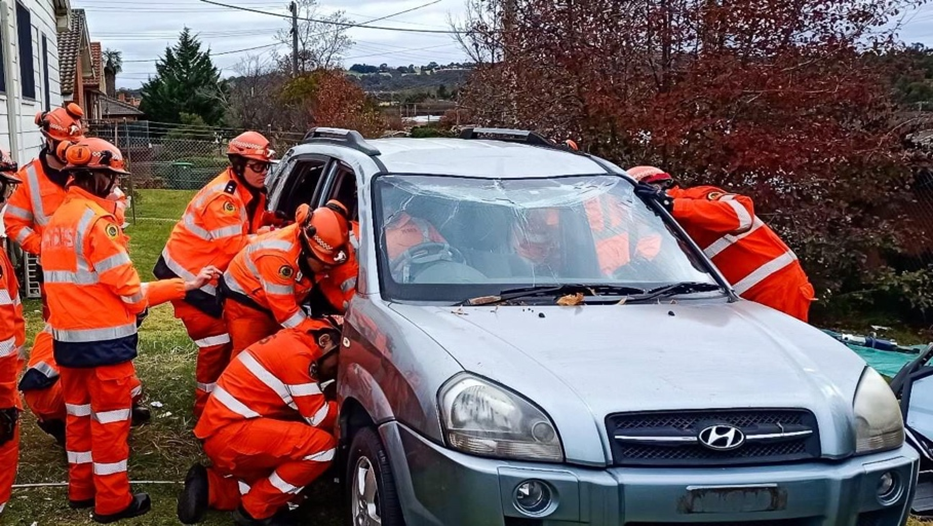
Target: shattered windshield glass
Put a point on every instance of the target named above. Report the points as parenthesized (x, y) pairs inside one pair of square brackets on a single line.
[(447, 238)]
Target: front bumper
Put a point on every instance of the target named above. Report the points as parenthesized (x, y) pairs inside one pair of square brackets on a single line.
[(438, 486)]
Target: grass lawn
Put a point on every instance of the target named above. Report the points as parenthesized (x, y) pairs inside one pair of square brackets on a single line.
[(162, 450)]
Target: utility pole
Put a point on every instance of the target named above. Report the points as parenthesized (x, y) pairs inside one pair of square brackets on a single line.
[(294, 9)]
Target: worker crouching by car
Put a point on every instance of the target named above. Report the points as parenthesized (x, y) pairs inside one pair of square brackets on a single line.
[(267, 428), (751, 256), (309, 261), (12, 336), (96, 302)]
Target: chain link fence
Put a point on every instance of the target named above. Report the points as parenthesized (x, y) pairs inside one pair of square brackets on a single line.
[(176, 156)]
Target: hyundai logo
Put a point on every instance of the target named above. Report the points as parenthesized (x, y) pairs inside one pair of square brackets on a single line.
[(722, 437)]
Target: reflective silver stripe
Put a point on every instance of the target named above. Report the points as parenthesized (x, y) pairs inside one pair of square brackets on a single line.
[(109, 469), (250, 266), (726, 241), (198, 232), (208, 193), (78, 410), (35, 195), (21, 213), (295, 319), (274, 244), (243, 487), (267, 378), (109, 417), (323, 456), (227, 231), (232, 403), (5, 298), (234, 284), (112, 262), (136, 391), (281, 485), (47, 370), (135, 298), (16, 300), (762, 272), (8, 347), (183, 273), (72, 278), (348, 285), (320, 415), (207, 388), (745, 219), (272, 288), (94, 335), (211, 341), (80, 457), (310, 389), (2, 505), (23, 234)]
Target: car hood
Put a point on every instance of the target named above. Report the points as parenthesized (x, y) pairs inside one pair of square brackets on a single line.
[(582, 363)]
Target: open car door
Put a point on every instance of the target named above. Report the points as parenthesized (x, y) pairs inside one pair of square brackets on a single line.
[(913, 385)]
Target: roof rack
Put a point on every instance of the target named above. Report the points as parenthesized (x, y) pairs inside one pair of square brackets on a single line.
[(349, 138), (508, 135)]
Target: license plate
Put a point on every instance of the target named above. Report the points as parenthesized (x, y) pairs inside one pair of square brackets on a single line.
[(733, 499)]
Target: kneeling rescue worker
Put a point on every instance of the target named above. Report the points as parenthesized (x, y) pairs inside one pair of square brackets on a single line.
[(309, 260), (217, 224), (96, 302), (751, 256), (12, 336), (267, 428)]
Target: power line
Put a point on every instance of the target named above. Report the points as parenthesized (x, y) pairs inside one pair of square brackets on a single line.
[(339, 24)]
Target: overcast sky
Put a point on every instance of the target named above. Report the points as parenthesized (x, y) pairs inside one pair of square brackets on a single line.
[(142, 30)]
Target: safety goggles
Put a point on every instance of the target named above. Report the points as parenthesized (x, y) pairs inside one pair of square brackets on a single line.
[(258, 166)]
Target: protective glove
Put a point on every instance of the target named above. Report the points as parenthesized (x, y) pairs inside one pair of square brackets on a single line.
[(275, 219), (647, 191), (8, 418), (141, 316)]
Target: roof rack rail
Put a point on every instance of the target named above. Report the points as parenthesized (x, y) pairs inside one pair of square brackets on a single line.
[(343, 137), (507, 134)]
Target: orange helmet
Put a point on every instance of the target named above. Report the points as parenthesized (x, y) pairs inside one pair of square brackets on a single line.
[(61, 124), (649, 174), (251, 145), (325, 232), (92, 154), (8, 168)]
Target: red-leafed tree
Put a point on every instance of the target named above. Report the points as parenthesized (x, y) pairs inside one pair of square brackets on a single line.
[(328, 98), (783, 100)]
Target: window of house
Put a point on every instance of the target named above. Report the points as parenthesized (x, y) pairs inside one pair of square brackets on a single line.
[(45, 74), (26, 67)]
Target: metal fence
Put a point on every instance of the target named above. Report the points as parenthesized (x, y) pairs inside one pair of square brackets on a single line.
[(176, 156)]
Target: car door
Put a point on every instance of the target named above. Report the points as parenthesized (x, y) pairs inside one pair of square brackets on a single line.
[(298, 180)]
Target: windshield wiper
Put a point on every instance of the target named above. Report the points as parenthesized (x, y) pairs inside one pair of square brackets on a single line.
[(684, 287), (557, 290)]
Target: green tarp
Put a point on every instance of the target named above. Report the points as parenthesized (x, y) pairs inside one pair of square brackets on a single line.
[(887, 363)]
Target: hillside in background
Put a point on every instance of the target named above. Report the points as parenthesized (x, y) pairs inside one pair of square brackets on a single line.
[(383, 80)]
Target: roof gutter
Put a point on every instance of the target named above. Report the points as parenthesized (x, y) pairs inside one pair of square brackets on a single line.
[(13, 121)]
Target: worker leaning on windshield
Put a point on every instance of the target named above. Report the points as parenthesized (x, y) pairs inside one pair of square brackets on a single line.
[(750, 255)]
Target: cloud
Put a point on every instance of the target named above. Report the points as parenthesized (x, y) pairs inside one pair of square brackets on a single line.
[(142, 31)]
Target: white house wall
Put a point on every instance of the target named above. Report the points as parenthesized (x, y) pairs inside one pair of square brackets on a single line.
[(28, 138)]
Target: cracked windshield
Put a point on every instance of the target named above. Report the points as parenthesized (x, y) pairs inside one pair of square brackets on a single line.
[(481, 236)]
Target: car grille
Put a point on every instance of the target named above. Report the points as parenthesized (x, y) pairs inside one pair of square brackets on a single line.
[(670, 438)]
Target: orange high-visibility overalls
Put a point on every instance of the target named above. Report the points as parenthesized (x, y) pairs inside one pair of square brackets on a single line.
[(12, 337)]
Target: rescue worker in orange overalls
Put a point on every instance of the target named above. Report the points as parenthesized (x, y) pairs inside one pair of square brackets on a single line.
[(750, 255), (12, 337), (41, 389), (96, 302), (309, 261), (43, 188), (217, 224), (267, 428)]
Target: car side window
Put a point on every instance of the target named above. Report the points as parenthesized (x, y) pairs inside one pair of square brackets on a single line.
[(300, 185), (343, 189)]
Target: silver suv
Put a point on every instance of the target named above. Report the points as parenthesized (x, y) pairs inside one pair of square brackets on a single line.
[(531, 344)]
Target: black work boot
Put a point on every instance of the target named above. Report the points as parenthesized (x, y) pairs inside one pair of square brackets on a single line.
[(141, 415), (193, 501), (139, 506), (56, 428), (80, 504), (282, 518)]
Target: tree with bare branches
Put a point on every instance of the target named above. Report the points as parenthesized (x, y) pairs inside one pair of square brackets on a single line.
[(321, 43)]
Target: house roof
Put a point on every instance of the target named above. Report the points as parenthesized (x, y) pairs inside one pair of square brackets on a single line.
[(110, 107), (69, 48), (93, 80)]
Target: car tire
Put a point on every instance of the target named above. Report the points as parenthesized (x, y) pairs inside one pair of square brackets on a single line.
[(376, 497)]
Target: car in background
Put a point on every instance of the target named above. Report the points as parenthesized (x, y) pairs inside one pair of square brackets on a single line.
[(532, 344)]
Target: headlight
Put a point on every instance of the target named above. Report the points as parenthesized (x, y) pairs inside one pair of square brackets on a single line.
[(879, 425), (483, 419)]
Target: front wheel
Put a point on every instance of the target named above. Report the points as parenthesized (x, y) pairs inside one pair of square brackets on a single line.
[(372, 495)]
